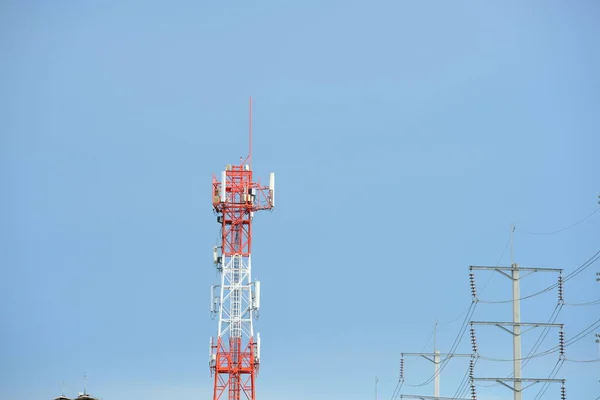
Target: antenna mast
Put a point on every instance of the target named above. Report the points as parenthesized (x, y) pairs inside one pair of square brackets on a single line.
[(234, 356), (248, 159), (250, 134)]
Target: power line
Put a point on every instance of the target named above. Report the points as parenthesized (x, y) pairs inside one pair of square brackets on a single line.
[(397, 389), (582, 267), (566, 228), (517, 360), (589, 303), (532, 353), (456, 318), (544, 334), (583, 361), (519, 299), (454, 346), (546, 385), (571, 275), (482, 289), (463, 387), (537, 355), (585, 332), (428, 339), (560, 348)]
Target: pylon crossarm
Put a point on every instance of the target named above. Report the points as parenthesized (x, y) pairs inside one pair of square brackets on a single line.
[(535, 380), (432, 354), (482, 268), (420, 396), (534, 324), (532, 381)]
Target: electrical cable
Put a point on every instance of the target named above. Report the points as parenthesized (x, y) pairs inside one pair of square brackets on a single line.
[(564, 229), (463, 387), (457, 318), (482, 289), (571, 275), (487, 386), (473, 306), (546, 385), (589, 303), (519, 299), (497, 263), (585, 332), (581, 268), (530, 355), (397, 390), (445, 362), (428, 339), (454, 346), (544, 334), (543, 353), (554, 349)]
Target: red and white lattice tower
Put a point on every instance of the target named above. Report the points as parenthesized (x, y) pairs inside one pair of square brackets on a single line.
[(235, 354)]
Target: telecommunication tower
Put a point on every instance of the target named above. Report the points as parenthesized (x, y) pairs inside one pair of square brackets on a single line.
[(234, 356)]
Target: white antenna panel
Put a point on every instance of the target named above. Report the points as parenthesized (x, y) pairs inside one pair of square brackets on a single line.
[(257, 295), (223, 186), (272, 188), (215, 254), (257, 346)]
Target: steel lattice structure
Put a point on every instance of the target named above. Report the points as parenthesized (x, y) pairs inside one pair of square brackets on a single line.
[(235, 354)]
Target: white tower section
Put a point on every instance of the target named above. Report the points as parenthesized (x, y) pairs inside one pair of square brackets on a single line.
[(238, 298)]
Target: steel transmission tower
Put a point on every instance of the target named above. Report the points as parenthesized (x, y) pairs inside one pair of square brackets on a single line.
[(516, 324), (235, 354)]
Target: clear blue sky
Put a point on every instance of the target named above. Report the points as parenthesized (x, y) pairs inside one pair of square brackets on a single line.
[(406, 137)]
